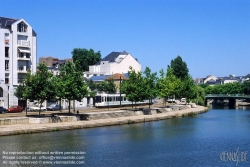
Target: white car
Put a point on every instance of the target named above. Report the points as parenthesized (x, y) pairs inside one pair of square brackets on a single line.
[(37, 108)]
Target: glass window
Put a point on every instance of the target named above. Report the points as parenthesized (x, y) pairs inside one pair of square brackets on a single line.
[(1, 92)]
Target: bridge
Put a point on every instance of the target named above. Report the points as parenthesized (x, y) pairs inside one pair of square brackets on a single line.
[(230, 97)]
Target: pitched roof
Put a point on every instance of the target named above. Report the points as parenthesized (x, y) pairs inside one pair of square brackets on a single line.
[(6, 22), (117, 76), (112, 56), (104, 77)]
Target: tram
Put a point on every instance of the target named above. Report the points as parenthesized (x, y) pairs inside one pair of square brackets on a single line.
[(114, 100)]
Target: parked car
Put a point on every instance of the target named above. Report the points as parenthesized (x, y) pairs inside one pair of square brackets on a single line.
[(14, 109), (37, 108), (54, 107), (3, 110)]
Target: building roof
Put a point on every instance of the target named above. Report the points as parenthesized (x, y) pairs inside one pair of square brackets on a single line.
[(6, 22), (112, 56), (104, 77), (117, 76)]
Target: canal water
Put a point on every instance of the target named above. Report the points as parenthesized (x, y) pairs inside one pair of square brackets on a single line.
[(220, 137)]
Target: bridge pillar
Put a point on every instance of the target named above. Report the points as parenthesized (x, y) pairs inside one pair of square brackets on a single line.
[(232, 102)]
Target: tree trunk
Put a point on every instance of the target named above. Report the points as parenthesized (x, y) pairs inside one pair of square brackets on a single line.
[(39, 110), (60, 105), (69, 107), (26, 106), (149, 103)]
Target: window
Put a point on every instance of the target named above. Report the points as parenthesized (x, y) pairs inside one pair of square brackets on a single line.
[(27, 55), (1, 92), (6, 51), (7, 65), (22, 27), (6, 38), (6, 80)]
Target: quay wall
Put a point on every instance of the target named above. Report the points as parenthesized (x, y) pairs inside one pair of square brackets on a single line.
[(37, 125)]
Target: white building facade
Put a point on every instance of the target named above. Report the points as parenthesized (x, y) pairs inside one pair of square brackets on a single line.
[(18, 52), (115, 62)]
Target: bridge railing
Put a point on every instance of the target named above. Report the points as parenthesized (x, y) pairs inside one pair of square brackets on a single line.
[(228, 95)]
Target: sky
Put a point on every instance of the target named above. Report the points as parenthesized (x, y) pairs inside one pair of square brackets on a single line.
[(211, 36)]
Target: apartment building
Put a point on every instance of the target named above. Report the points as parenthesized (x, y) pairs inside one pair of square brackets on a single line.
[(18, 51)]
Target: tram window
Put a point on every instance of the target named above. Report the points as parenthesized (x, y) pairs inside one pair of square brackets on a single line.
[(98, 99), (103, 99)]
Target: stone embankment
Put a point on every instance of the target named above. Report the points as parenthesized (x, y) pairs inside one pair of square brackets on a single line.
[(24, 125)]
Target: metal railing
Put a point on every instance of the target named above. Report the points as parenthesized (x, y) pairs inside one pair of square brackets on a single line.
[(228, 95), (23, 43)]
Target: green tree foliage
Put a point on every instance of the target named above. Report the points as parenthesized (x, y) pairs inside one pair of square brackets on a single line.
[(168, 84), (246, 87), (187, 89), (83, 58), (23, 90), (200, 95), (19, 92), (111, 88), (92, 88), (101, 86), (39, 86), (228, 88), (70, 84), (134, 87), (179, 67), (150, 83)]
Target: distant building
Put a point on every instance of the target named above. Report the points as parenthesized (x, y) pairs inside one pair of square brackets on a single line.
[(53, 64), (212, 80), (18, 51), (115, 62)]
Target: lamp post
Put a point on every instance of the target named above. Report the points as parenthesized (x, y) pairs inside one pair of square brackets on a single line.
[(108, 101), (120, 92)]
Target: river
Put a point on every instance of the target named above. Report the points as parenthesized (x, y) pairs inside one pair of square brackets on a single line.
[(220, 137)]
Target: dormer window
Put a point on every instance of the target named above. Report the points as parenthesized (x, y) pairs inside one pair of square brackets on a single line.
[(22, 27)]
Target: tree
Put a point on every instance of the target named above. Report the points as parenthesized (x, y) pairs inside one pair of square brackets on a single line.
[(187, 89), (246, 87), (102, 86), (200, 92), (70, 84), (228, 88), (92, 88), (111, 88), (134, 87), (83, 58), (168, 84), (150, 82), (39, 86), (179, 67), (24, 89)]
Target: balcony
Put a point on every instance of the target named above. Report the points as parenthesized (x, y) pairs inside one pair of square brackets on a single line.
[(23, 57), (22, 69), (23, 43)]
